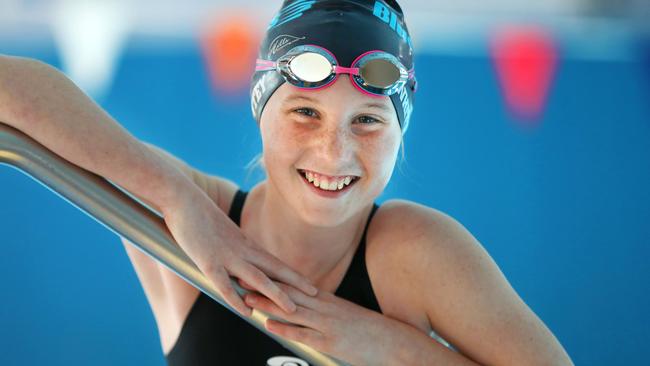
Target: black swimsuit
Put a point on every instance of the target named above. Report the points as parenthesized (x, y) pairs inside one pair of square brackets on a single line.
[(213, 335)]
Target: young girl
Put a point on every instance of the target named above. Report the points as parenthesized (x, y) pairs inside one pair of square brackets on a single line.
[(368, 285)]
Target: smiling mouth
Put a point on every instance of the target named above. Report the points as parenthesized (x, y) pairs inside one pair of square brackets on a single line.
[(325, 184)]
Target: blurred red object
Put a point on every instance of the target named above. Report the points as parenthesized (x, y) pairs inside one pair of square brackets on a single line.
[(525, 60), (229, 45)]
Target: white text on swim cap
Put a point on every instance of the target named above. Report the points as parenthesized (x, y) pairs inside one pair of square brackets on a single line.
[(256, 95), (407, 106), (384, 13)]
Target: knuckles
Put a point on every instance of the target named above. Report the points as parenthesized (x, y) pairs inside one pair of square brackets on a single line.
[(213, 270)]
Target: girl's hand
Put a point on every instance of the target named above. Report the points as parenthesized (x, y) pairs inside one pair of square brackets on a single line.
[(332, 325), (220, 250)]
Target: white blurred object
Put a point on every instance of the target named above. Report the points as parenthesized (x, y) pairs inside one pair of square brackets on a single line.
[(91, 35)]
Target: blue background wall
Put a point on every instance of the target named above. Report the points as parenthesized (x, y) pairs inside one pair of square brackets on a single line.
[(563, 208)]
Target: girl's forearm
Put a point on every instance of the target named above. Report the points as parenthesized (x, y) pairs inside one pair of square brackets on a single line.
[(44, 104), (416, 348)]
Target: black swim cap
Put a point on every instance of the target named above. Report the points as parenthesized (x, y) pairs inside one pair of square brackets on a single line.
[(347, 28)]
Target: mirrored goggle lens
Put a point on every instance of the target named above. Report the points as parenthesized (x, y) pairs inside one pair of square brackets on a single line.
[(311, 67), (379, 73)]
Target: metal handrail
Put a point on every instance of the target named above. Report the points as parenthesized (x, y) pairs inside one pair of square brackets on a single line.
[(126, 216)]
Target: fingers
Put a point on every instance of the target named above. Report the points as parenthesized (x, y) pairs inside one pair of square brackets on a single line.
[(302, 316), (261, 283), (295, 295), (311, 302), (280, 271), (245, 285), (308, 336), (221, 280)]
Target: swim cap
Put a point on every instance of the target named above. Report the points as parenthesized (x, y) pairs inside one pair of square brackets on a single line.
[(347, 28)]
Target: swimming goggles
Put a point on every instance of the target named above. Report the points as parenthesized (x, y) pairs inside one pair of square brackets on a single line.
[(312, 67)]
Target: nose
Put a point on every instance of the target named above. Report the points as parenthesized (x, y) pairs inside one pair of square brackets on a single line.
[(335, 145)]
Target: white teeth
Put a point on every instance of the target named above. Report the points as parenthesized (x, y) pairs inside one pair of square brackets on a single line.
[(324, 183)]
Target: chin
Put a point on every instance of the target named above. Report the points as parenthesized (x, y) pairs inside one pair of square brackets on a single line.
[(322, 217)]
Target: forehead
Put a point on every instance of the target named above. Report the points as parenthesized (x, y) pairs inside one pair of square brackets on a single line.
[(341, 92)]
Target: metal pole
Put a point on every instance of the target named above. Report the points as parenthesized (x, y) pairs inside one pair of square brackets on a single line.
[(124, 215)]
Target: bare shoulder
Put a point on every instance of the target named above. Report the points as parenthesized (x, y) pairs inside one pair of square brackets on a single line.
[(405, 220), (410, 231), (394, 240), (456, 287)]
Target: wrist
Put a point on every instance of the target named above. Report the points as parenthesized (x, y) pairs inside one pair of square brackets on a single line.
[(392, 338), (411, 345), (397, 352), (165, 184), (177, 191), (414, 347)]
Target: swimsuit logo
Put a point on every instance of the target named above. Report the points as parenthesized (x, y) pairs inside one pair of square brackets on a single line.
[(281, 42), (285, 361), (291, 12)]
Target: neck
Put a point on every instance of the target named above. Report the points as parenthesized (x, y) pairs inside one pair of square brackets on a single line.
[(313, 251)]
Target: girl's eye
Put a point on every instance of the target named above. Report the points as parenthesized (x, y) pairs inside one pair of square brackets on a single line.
[(309, 112), (367, 120)]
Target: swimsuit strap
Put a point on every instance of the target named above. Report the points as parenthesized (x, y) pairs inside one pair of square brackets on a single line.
[(236, 206), (356, 285)]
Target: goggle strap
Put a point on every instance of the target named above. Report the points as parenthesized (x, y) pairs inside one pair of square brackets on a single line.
[(265, 65)]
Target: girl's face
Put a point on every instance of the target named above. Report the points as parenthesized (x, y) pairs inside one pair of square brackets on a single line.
[(332, 132)]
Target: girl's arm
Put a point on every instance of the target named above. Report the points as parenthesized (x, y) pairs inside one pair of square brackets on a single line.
[(44, 104), (455, 285), (40, 101)]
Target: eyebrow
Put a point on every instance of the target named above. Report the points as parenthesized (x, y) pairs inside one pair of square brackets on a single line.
[(295, 97)]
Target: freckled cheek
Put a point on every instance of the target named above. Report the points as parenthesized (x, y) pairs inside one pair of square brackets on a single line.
[(281, 146), (380, 157)]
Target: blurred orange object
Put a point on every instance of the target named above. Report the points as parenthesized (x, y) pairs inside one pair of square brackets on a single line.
[(229, 45), (525, 60)]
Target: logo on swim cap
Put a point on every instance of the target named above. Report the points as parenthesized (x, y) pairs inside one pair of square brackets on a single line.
[(282, 41), (389, 17), (291, 12)]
